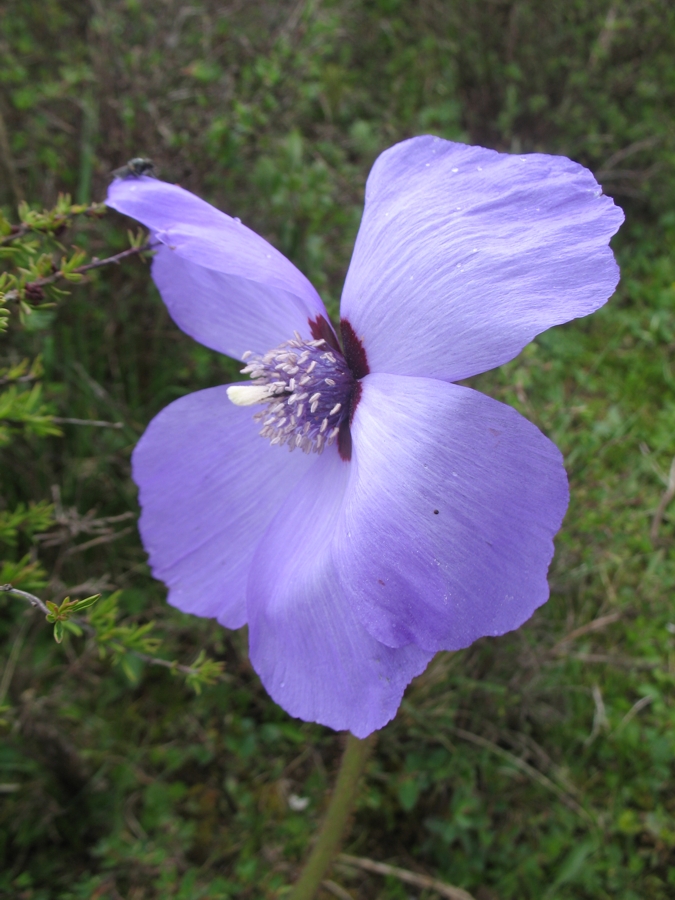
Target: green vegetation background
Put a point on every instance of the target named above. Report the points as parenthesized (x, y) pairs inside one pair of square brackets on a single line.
[(539, 765)]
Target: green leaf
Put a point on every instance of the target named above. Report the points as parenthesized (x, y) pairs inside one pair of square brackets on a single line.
[(79, 605), (132, 667), (58, 631)]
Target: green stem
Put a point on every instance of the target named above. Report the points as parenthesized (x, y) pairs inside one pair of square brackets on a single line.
[(331, 833)]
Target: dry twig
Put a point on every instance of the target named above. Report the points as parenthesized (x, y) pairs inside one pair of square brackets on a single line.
[(623, 662), (421, 881), (336, 890), (665, 500), (595, 625), (632, 712), (525, 767)]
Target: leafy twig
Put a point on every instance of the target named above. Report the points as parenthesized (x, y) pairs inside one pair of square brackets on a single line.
[(39, 283), (202, 671), (50, 221)]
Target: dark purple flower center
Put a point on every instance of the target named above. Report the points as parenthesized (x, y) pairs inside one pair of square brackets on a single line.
[(310, 388)]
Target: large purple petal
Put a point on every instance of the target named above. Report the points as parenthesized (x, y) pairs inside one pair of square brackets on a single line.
[(209, 487), (465, 254), (447, 526), (223, 284), (313, 655)]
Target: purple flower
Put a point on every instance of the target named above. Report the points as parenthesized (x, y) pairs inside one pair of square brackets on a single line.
[(421, 515)]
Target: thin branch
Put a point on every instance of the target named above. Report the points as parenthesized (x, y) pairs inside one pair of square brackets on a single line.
[(421, 881), (17, 232), (34, 601), (103, 539), (21, 380), (164, 663), (59, 591), (98, 263), (95, 423), (625, 152)]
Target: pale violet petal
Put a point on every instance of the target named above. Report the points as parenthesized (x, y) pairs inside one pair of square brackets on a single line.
[(446, 528), (465, 254), (223, 284), (313, 655), (209, 487)]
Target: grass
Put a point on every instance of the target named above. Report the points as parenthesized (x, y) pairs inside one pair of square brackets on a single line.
[(538, 765)]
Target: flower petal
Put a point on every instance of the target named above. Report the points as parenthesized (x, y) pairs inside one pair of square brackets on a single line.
[(209, 487), (465, 254), (223, 284), (313, 655), (447, 526)]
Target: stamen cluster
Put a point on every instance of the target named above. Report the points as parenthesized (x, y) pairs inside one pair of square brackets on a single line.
[(309, 386)]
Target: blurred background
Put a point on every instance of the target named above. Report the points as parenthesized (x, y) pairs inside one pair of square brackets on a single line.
[(538, 765)]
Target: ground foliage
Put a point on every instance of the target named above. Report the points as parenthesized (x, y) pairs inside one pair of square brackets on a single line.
[(539, 765)]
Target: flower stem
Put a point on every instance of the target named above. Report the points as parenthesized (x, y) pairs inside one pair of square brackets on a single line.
[(328, 842)]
